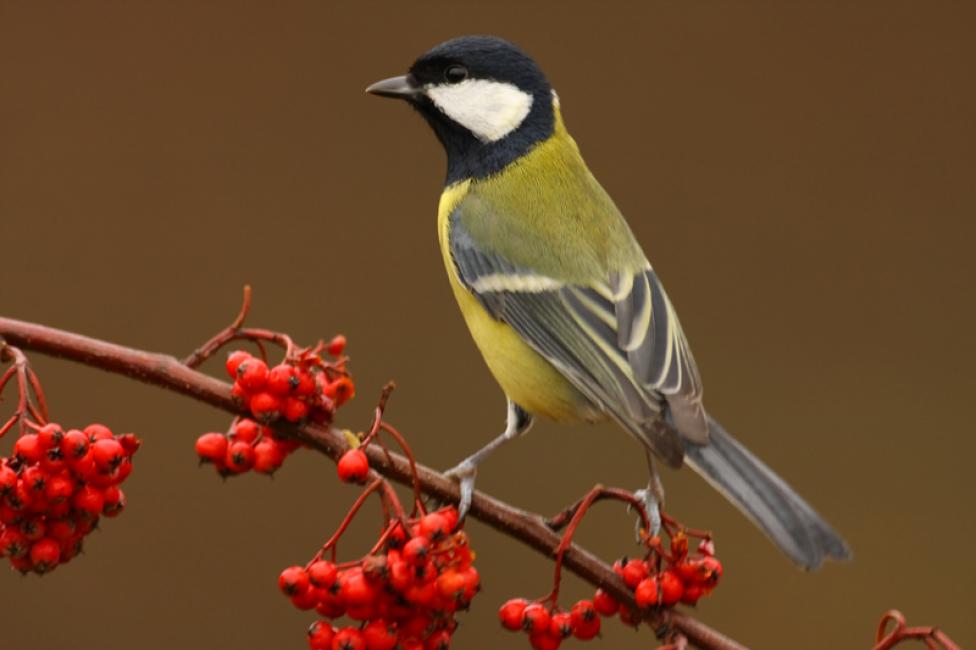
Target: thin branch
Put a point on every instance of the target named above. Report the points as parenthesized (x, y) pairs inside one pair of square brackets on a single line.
[(531, 529)]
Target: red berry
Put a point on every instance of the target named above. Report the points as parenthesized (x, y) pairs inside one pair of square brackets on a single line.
[(587, 630), (340, 391), (322, 574), (605, 603), (28, 449), (712, 569), (293, 580), (108, 454), (439, 640), (33, 528), (353, 466), (50, 436), (123, 471), (294, 409), (114, 501), (320, 635), (74, 444), (234, 361), (61, 529), (704, 570), (268, 456), (544, 641), (646, 593), (212, 447), (239, 394), (252, 374), (8, 479), (671, 587), (348, 638), (379, 635), (416, 551), (354, 589), (130, 443), (98, 432), (240, 457), (13, 544), (692, 593), (281, 379), (306, 383), (246, 430), (511, 612), (35, 479), (337, 345), (561, 625), (89, 500), (265, 407), (583, 612), (58, 489), (44, 554), (633, 571), (451, 585), (435, 526), (20, 497), (629, 616), (307, 599), (536, 619), (421, 594)]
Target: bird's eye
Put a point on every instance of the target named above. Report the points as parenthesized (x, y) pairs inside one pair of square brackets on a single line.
[(455, 74)]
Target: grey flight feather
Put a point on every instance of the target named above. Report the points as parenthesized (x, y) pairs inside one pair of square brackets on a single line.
[(789, 521)]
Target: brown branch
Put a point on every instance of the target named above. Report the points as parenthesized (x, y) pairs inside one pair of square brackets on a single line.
[(529, 528)]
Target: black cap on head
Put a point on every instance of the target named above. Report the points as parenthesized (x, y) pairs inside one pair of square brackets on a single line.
[(486, 99)]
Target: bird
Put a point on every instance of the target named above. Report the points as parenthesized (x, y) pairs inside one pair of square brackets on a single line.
[(559, 297)]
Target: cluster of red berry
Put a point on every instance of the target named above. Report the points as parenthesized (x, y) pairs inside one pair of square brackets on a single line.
[(404, 595), (667, 575), (54, 489), (248, 445), (547, 626), (302, 387), (682, 578)]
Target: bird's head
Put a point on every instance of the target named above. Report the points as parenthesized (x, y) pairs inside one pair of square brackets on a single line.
[(487, 101)]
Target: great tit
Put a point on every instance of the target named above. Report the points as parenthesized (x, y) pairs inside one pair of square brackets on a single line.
[(571, 319)]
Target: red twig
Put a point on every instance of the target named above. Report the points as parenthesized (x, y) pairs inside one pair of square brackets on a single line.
[(166, 371), (236, 331), (931, 636), (27, 387), (575, 514)]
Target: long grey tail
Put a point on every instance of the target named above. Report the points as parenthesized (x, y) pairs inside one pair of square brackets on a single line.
[(766, 499)]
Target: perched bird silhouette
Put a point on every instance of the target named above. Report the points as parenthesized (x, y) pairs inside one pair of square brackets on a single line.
[(561, 301)]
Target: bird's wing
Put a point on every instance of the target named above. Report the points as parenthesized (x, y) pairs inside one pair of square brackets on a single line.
[(617, 340)]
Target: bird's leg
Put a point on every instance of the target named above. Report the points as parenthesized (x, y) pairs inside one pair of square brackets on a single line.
[(652, 496), (517, 423)]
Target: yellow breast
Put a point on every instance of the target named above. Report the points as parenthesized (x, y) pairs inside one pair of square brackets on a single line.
[(524, 375)]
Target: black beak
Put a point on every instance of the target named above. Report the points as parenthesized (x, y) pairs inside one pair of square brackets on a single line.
[(398, 87)]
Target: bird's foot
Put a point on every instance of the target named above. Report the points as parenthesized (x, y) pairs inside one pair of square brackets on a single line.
[(653, 510), (464, 473)]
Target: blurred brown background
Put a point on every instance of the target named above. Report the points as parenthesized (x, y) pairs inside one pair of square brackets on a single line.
[(801, 174)]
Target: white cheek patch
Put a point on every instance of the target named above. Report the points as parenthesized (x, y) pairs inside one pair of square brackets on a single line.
[(489, 109)]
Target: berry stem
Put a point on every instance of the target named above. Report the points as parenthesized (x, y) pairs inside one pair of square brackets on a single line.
[(27, 384), (931, 636), (236, 331), (388, 496), (559, 521)]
